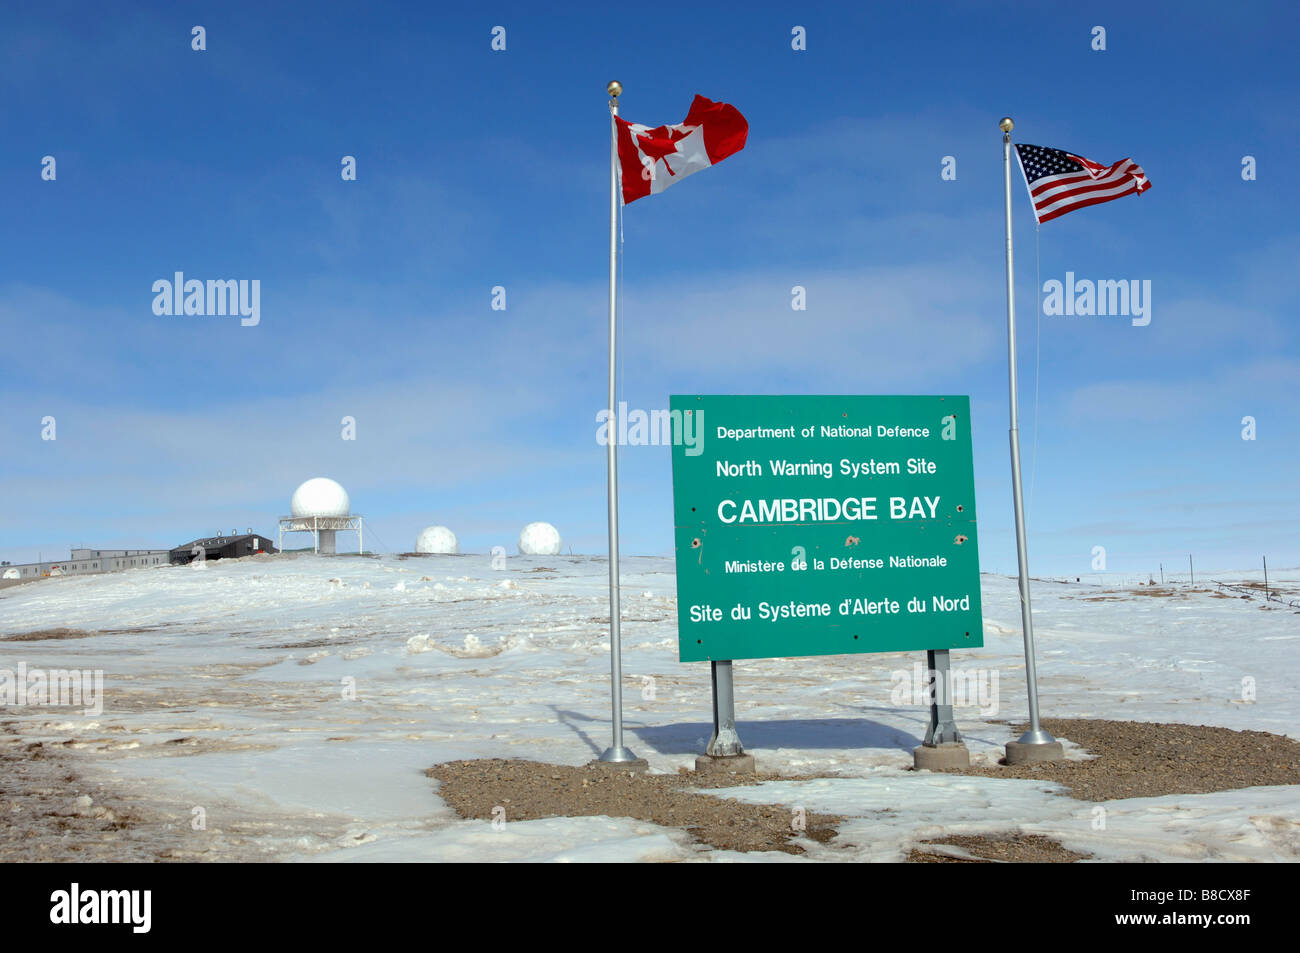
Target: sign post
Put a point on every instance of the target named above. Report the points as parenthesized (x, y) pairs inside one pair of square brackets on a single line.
[(810, 525), (725, 742), (943, 726)]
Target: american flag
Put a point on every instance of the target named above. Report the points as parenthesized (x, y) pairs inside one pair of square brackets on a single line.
[(1060, 182)]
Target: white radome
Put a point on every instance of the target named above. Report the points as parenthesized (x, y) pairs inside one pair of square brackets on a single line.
[(437, 539), (320, 497), (539, 539)]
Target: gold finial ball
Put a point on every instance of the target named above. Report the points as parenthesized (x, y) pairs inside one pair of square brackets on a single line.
[(614, 88), (1007, 124)]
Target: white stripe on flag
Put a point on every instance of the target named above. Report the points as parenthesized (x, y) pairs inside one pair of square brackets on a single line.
[(1056, 184), (1130, 185)]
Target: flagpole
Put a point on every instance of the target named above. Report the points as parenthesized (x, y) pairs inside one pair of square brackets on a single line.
[(616, 752), (1036, 744)]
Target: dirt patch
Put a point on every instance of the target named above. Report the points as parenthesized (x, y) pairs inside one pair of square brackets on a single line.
[(1145, 759), (1258, 586), (135, 629), (310, 644), (40, 635), (1010, 847), (51, 811), (1119, 595), (530, 790), (53, 814)]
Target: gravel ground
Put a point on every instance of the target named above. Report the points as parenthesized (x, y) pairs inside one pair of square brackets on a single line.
[(1131, 759), (529, 790), (48, 812), (1146, 759), (991, 848)]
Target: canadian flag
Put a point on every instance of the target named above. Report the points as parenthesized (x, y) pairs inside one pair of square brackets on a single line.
[(650, 160)]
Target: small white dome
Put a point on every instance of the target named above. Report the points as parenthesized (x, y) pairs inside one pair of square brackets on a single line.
[(437, 539), (320, 497), (539, 539)]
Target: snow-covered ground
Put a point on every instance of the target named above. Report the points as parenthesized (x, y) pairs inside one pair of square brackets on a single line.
[(311, 693)]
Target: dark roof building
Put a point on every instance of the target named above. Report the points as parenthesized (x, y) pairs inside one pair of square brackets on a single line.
[(221, 547)]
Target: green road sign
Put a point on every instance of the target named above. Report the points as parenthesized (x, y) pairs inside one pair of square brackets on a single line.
[(824, 525)]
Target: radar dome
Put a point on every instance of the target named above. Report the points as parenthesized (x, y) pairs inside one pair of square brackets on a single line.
[(320, 497), (539, 539), (437, 539)]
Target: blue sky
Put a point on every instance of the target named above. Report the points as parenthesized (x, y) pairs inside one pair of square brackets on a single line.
[(479, 168)]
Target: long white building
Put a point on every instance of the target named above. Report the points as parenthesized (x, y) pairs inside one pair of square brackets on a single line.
[(88, 560)]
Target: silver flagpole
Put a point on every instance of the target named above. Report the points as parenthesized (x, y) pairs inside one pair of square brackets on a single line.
[(616, 752), (1036, 744)]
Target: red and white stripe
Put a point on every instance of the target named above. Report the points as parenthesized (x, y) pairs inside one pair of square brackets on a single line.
[(1054, 195)]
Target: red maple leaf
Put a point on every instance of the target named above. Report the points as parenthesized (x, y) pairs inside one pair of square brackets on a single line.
[(660, 142)]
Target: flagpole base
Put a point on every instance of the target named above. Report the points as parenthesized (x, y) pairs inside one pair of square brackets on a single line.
[(1034, 747), (618, 756), (1040, 737), (628, 762)]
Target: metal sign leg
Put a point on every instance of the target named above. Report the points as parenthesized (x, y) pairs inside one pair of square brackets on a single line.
[(725, 742), (943, 748), (943, 726), (725, 755)]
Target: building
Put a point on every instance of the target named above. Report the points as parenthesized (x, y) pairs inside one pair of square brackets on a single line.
[(83, 561), (221, 547), (87, 561)]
